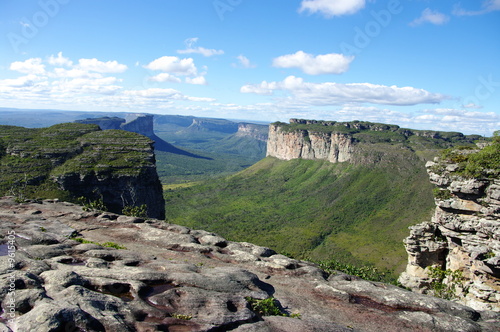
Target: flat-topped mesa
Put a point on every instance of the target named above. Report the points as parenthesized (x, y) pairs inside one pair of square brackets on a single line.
[(287, 145), (341, 141), (463, 238)]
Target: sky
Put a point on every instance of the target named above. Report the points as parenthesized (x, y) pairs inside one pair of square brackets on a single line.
[(421, 64)]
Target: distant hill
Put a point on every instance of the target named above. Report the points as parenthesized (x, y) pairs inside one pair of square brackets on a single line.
[(187, 148)]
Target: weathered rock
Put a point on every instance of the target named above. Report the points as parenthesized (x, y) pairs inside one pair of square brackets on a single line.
[(172, 278), (463, 235), (308, 145)]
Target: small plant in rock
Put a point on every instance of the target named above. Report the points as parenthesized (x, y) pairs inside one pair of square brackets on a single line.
[(105, 244), (446, 282), (112, 245), (136, 211), (268, 307), (89, 206), (442, 194), (181, 316)]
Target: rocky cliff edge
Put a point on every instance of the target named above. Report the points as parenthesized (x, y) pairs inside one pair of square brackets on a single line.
[(457, 253), (64, 269)]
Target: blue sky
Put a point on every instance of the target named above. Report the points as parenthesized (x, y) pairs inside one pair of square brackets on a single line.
[(423, 64)]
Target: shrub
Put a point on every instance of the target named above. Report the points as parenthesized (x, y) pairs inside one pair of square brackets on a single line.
[(446, 282), (136, 211), (441, 194), (88, 205)]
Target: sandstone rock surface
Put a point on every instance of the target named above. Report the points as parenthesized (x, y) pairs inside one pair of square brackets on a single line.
[(463, 235), (172, 278)]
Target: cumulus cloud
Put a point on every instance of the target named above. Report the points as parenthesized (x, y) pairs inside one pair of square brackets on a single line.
[(487, 6), (59, 81), (331, 8), (430, 16), (332, 63), (198, 50), (165, 77), (331, 93), (100, 66), (60, 60), (198, 80), (30, 66), (173, 64)]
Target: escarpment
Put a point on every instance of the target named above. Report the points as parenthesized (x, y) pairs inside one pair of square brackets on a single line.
[(354, 141), (462, 241), (287, 145), (72, 160)]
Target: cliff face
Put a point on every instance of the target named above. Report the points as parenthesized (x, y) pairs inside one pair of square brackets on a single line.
[(287, 145), (73, 160), (335, 141), (255, 131), (117, 167), (220, 125), (463, 235), (104, 122), (141, 124)]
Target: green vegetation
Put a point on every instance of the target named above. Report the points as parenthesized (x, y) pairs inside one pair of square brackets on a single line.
[(88, 205), (446, 283), (182, 317), (369, 132), (365, 272), (136, 211), (105, 244), (441, 194), (355, 214), (476, 164), (268, 307), (33, 162)]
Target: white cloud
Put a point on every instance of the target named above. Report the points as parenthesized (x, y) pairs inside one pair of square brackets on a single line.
[(331, 93), (199, 50), (198, 80), (331, 8), (60, 60), (58, 82), (155, 93), (332, 63), (74, 73), (165, 77), (430, 16), (30, 66), (244, 62), (487, 6), (20, 82), (101, 67), (173, 64)]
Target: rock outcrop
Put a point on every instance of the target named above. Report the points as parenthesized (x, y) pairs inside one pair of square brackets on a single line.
[(462, 239), (335, 141), (64, 269), (115, 166), (287, 145), (255, 131)]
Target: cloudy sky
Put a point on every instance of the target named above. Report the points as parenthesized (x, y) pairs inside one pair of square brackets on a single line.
[(424, 64)]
